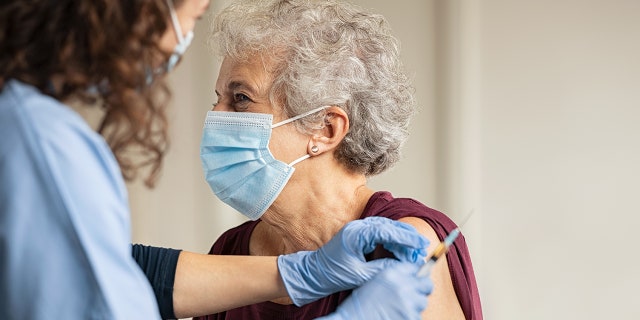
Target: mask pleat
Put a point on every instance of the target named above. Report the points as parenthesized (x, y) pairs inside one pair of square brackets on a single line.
[(237, 162), (264, 185), (211, 162)]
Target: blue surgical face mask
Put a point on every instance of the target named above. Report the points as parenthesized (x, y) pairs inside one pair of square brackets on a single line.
[(237, 163)]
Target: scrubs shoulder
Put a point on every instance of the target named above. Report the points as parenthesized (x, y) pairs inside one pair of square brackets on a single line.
[(65, 249)]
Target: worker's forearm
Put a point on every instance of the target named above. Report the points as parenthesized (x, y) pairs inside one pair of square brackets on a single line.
[(206, 284)]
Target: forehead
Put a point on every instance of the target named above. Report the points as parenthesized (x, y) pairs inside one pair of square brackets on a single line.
[(254, 71)]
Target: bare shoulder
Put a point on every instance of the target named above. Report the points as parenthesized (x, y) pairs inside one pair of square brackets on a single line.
[(424, 228), (443, 302)]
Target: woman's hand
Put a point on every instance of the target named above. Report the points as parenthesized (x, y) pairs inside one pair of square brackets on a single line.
[(395, 293), (341, 265)]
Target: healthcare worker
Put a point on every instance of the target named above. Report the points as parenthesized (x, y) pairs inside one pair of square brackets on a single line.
[(65, 248)]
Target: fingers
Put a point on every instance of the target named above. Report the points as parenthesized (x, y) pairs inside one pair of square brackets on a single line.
[(376, 266), (425, 285), (400, 238), (404, 253), (413, 288), (401, 280)]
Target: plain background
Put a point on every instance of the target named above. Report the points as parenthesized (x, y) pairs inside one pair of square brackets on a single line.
[(528, 115)]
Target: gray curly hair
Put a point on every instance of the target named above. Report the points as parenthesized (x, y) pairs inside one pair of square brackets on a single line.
[(328, 53)]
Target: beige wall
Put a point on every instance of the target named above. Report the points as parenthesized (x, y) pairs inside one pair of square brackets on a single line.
[(560, 101), (528, 115)]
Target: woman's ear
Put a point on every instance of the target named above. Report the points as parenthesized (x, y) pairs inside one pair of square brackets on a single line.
[(336, 126)]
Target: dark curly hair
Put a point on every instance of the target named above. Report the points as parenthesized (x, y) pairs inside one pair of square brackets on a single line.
[(98, 52)]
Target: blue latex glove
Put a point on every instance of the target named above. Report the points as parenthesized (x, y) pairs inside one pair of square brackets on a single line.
[(395, 293), (340, 264)]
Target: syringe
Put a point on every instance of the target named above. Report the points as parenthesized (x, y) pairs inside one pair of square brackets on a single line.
[(440, 251)]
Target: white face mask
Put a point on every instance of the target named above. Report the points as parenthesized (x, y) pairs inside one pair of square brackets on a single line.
[(183, 41)]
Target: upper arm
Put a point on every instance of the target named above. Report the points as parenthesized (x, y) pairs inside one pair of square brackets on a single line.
[(64, 223), (93, 205), (443, 302)]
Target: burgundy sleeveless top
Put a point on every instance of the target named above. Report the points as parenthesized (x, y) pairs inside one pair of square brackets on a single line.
[(235, 241)]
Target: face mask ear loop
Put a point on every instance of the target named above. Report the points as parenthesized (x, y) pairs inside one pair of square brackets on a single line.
[(305, 157), (298, 117), (176, 23)]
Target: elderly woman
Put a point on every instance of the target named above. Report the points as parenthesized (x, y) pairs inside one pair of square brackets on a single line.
[(317, 86)]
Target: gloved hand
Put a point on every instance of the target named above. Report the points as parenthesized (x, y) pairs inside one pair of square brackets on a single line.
[(395, 293), (340, 264)]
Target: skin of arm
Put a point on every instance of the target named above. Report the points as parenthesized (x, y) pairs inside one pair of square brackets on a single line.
[(206, 284), (443, 302)]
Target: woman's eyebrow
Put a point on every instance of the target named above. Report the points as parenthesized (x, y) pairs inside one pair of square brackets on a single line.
[(239, 84)]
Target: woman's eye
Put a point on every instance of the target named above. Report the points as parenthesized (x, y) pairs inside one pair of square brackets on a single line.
[(239, 97)]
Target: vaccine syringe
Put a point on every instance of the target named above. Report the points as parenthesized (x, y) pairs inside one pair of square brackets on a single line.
[(440, 251)]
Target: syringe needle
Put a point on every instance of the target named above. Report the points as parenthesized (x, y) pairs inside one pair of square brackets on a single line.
[(466, 219), (441, 249)]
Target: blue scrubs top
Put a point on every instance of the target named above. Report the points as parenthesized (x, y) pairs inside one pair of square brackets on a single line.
[(65, 249)]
